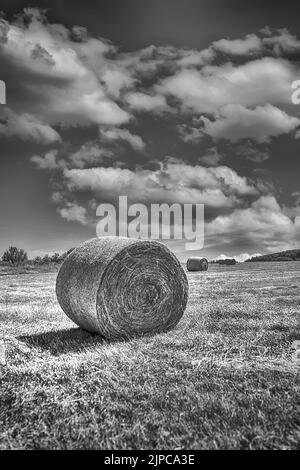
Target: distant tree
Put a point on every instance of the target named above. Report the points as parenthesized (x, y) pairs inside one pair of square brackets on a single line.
[(227, 261), (46, 259), (15, 256), (38, 260), (289, 255), (55, 258)]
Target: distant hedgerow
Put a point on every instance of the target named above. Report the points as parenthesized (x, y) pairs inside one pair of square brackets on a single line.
[(15, 256)]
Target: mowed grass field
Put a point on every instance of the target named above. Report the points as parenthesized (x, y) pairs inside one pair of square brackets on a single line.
[(226, 378)]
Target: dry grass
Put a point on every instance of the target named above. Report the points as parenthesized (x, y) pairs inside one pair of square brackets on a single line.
[(226, 377)]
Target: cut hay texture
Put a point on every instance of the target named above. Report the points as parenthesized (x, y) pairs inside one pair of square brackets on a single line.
[(122, 287), (197, 264)]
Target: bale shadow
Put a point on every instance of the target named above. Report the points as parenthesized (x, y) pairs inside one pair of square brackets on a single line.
[(63, 341)]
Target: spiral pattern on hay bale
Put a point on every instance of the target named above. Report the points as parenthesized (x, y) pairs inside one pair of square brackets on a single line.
[(197, 264), (122, 287)]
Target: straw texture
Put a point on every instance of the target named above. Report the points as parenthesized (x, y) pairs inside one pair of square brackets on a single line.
[(122, 287), (197, 264)]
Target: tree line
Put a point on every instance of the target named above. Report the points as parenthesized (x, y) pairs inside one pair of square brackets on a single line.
[(288, 255), (16, 257), (226, 262)]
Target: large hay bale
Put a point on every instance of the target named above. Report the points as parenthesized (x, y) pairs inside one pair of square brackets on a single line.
[(197, 264), (122, 287)]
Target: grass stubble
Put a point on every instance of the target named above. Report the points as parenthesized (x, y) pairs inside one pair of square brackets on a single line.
[(227, 377)]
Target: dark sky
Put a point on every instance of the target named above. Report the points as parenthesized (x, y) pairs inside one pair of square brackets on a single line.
[(133, 24), (30, 218)]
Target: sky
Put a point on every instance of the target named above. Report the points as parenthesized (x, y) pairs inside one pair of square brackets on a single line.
[(170, 101)]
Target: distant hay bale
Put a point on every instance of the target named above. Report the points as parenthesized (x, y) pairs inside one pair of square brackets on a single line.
[(197, 264), (122, 287)]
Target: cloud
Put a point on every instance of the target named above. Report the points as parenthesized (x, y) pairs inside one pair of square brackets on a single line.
[(282, 41), (114, 134), (262, 224), (296, 195), (194, 58), (79, 33), (73, 212), (241, 258), (89, 154), (26, 127), (190, 134), (4, 28), (47, 162), (249, 45), (217, 187), (62, 80), (234, 89), (144, 102), (243, 213), (40, 54), (236, 122), (258, 82), (116, 79), (64, 77), (153, 61), (251, 153), (212, 157)]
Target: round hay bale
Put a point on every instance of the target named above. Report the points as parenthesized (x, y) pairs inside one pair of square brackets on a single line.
[(197, 264), (122, 287)]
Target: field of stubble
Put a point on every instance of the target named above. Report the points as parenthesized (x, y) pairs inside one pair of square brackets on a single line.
[(226, 378)]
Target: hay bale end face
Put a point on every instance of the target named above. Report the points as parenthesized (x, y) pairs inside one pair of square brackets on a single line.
[(122, 287), (197, 264)]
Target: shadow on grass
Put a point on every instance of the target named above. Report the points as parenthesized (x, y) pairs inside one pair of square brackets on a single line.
[(63, 341)]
